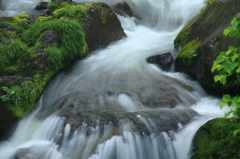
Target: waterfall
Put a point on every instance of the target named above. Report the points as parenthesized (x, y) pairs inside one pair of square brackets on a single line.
[(113, 104)]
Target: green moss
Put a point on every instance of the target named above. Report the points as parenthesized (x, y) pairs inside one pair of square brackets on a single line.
[(215, 140), (72, 37), (97, 4), (20, 57), (7, 34), (71, 11), (21, 20), (181, 38), (43, 18), (10, 54), (53, 6), (55, 58), (188, 54), (104, 21)]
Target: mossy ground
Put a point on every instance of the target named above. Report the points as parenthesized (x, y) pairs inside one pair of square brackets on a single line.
[(19, 56), (215, 140)]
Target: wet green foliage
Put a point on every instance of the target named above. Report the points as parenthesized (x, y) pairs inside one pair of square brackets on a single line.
[(228, 64)]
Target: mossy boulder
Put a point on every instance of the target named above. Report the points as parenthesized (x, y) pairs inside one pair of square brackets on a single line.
[(200, 42), (33, 49), (216, 140)]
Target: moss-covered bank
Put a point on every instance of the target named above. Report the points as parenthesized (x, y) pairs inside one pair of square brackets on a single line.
[(215, 140), (33, 49), (207, 28)]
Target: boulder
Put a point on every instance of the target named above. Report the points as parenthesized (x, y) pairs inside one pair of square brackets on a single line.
[(101, 26), (164, 61), (41, 6), (216, 139), (123, 9), (200, 42)]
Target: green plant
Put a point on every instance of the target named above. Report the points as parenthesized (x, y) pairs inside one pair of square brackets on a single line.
[(11, 95), (72, 36), (9, 54), (228, 64)]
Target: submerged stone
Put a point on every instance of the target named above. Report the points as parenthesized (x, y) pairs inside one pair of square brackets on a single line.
[(164, 61)]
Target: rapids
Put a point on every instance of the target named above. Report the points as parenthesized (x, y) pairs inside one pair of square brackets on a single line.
[(113, 104)]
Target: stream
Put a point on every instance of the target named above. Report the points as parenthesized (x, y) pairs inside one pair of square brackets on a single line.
[(113, 104)]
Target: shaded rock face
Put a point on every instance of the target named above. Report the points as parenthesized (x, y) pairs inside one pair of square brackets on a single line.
[(208, 28), (164, 61), (8, 120), (101, 27), (41, 6), (50, 38), (123, 9)]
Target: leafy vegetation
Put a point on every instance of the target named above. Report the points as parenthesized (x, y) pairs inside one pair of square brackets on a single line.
[(228, 64)]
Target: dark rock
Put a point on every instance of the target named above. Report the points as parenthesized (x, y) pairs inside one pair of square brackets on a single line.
[(101, 27), (42, 5), (6, 117), (164, 61), (208, 28), (50, 38), (123, 8)]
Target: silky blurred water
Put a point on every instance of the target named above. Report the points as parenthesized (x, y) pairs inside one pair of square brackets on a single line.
[(118, 79)]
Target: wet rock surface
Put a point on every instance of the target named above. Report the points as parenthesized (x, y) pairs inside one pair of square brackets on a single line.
[(100, 109), (41, 6), (164, 61), (101, 27), (123, 9)]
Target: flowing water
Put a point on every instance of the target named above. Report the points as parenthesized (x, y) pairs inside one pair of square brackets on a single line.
[(113, 104)]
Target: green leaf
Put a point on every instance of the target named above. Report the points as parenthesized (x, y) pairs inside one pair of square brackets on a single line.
[(226, 98), (236, 132), (217, 78), (222, 104), (223, 79), (238, 69)]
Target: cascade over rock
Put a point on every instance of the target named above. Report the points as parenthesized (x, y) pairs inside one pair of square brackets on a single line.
[(100, 26), (200, 42)]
